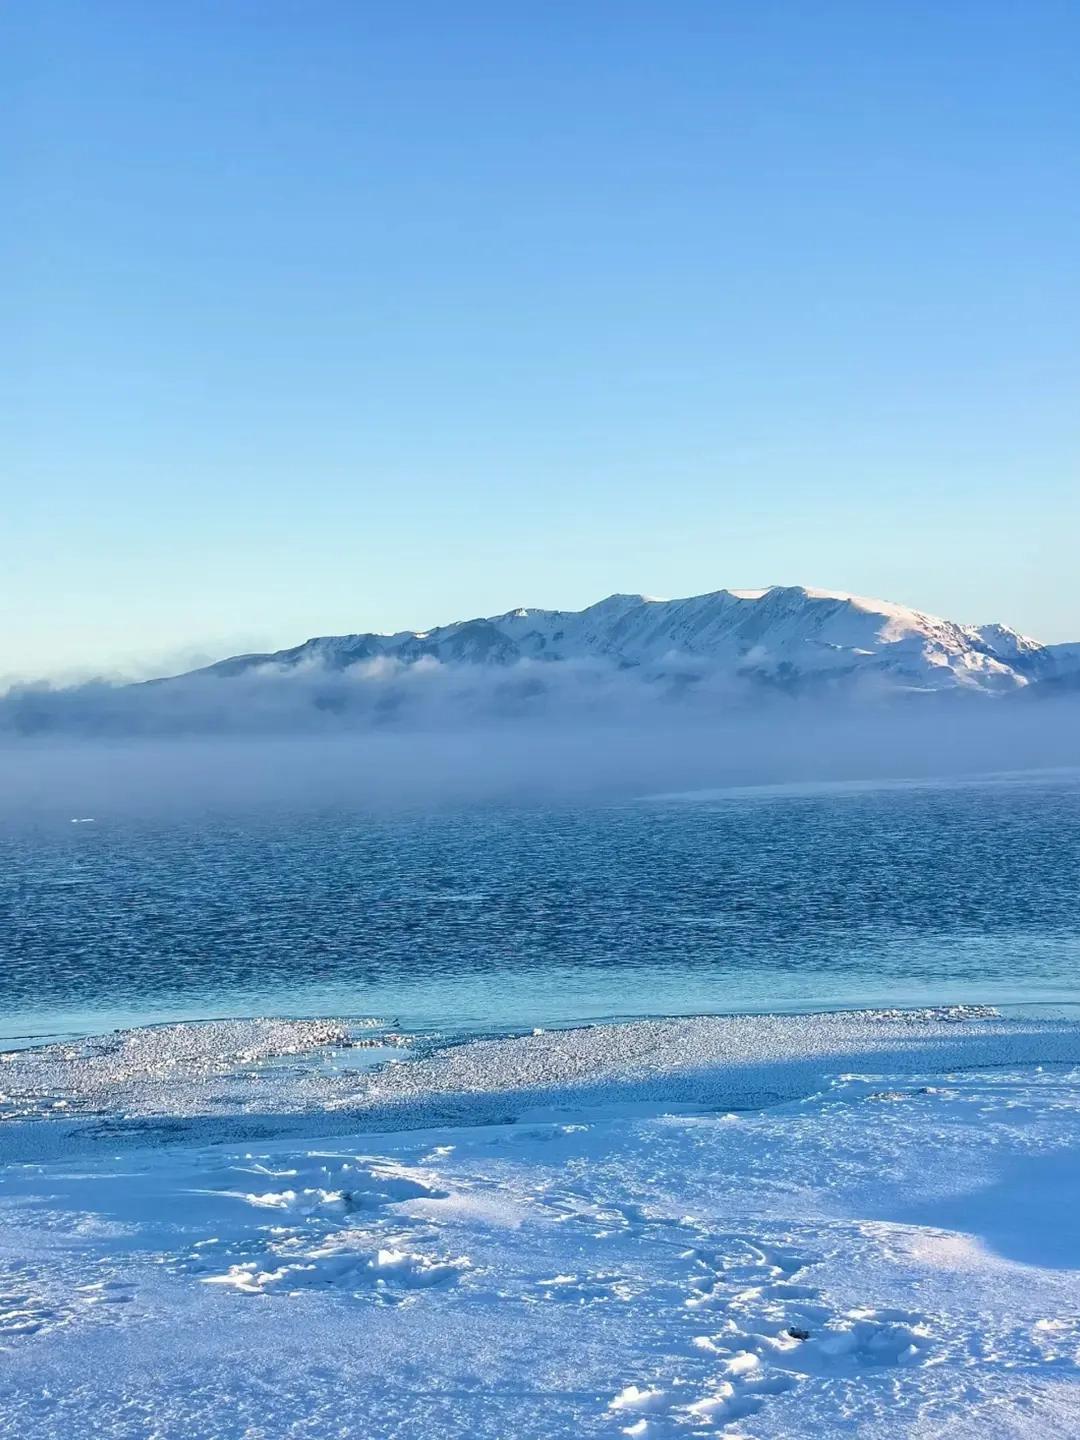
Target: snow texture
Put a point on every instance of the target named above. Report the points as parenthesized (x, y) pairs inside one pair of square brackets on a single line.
[(771, 1227)]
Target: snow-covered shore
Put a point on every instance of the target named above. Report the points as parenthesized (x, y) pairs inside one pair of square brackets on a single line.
[(763, 1227)]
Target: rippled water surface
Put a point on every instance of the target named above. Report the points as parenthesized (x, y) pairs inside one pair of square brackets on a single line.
[(503, 917)]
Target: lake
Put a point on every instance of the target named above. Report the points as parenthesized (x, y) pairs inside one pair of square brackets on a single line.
[(508, 917)]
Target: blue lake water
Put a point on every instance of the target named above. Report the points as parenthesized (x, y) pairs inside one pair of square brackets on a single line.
[(501, 918)]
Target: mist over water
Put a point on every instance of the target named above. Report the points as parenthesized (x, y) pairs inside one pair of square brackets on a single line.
[(553, 749)]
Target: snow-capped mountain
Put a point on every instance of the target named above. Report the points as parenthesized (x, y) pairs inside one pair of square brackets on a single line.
[(789, 636)]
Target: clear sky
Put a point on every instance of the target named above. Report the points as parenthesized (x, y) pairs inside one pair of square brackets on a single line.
[(328, 315)]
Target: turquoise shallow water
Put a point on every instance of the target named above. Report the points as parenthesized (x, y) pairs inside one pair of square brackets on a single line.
[(505, 918)]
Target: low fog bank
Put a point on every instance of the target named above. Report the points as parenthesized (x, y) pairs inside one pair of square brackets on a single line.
[(552, 757), (313, 698)]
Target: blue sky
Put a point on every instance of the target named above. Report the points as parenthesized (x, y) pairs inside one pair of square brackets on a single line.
[(333, 316)]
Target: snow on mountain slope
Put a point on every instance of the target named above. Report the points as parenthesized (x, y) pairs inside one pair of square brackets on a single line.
[(786, 635)]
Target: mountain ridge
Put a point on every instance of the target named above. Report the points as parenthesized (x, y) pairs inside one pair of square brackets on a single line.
[(779, 635)]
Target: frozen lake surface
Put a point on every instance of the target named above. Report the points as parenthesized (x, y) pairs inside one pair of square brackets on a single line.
[(764, 1227)]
